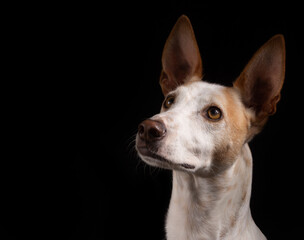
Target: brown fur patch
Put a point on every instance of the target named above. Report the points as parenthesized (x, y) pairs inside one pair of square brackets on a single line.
[(236, 117), (236, 131)]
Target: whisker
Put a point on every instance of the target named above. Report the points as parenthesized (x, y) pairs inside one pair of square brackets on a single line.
[(132, 154)]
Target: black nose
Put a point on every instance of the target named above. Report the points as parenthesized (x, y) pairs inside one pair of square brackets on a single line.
[(151, 130)]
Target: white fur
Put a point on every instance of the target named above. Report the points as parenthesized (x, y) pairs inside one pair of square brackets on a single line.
[(210, 201), (198, 212)]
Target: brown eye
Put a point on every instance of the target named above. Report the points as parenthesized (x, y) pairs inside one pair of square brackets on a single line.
[(169, 101), (214, 113)]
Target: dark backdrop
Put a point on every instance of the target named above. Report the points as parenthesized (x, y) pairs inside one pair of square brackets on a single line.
[(97, 68)]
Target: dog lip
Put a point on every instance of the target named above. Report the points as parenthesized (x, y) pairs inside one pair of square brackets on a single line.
[(144, 150), (188, 166)]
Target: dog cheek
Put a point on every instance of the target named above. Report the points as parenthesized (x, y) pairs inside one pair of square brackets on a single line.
[(223, 157), (196, 151)]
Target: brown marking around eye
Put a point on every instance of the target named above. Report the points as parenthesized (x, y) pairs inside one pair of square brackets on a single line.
[(234, 133)]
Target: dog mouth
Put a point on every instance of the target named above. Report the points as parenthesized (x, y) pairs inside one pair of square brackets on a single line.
[(149, 155)]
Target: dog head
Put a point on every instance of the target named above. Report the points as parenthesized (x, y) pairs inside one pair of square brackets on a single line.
[(202, 127)]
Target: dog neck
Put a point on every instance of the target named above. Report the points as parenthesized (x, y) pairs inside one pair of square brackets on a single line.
[(215, 207)]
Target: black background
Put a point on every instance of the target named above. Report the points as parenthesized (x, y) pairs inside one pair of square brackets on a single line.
[(82, 77)]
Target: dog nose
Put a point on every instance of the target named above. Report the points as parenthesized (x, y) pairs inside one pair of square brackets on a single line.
[(151, 130)]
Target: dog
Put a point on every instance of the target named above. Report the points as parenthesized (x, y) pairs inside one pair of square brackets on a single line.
[(202, 135)]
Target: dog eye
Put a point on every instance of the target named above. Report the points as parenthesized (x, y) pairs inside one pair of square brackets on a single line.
[(169, 101), (214, 113)]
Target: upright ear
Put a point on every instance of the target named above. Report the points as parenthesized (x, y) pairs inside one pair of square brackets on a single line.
[(181, 60), (261, 81)]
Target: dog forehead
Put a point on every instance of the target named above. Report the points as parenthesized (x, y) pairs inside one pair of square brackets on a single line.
[(200, 92)]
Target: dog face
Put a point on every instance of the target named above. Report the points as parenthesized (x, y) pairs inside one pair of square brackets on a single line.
[(205, 126), (202, 127)]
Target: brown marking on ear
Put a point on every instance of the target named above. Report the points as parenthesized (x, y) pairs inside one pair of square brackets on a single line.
[(181, 58), (261, 81)]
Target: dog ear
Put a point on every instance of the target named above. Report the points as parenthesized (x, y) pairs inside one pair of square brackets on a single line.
[(181, 58), (261, 81)]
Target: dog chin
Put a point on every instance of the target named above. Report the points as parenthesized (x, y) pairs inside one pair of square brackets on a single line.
[(156, 160)]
